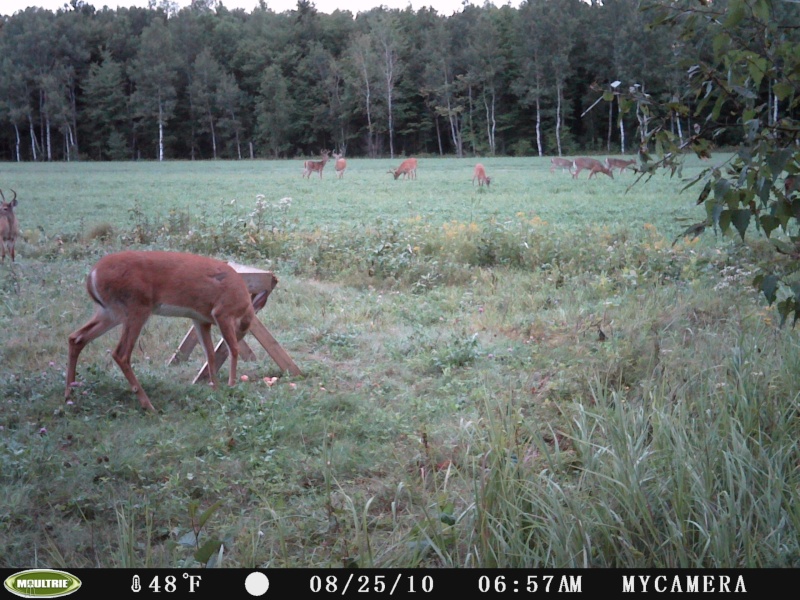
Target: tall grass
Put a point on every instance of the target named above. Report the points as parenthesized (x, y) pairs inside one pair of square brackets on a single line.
[(531, 376)]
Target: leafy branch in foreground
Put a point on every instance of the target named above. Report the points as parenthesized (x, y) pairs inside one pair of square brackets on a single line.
[(743, 93)]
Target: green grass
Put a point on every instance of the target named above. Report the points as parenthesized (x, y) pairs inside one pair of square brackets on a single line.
[(526, 376), (73, 197)]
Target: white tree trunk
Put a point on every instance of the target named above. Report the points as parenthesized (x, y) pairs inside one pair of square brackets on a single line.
[(160, 133), (17, 143)]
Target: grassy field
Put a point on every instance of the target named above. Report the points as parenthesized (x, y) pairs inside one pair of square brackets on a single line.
[(527, 376)]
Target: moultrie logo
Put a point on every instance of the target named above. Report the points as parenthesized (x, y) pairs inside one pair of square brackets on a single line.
[(42, 583)]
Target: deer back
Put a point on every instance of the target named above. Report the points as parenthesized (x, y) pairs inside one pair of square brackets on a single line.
[(172, 284)]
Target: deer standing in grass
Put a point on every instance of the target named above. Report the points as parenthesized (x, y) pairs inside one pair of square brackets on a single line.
[(618, 163), (408, 168), (340, 165), (9, 226), (315, 166), (561, 163), (130, 286), (480, 175), (594, 166)]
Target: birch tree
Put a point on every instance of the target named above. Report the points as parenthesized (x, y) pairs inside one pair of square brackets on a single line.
[(153, 72)]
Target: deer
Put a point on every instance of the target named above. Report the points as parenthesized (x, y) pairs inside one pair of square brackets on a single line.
[(561, 163), (408, 168), (340, 165), (315, 166), (594, 166), (130, 286), (791, 184), (618, 163), (9, 226), (480, 175)]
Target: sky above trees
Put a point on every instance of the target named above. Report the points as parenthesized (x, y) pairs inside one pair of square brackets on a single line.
[(444, 7)]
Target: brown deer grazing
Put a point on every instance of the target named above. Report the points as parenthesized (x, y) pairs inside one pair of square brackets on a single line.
[(561, 163), (480, 175), (408, 168), (130, 286), (340, 165), (315, 166), (618, 163), (9, 226), (594, 166)]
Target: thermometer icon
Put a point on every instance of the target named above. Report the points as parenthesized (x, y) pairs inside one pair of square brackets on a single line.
[(136, 587)]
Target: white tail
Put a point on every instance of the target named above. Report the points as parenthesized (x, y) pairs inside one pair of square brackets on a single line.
[(315, 166), (9, 226), (480, 175), (407, 168), (618, 163), (340, 165), (130, 286), (561, 163), (594, 166)]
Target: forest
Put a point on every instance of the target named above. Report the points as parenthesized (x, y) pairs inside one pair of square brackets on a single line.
[(206, 82)]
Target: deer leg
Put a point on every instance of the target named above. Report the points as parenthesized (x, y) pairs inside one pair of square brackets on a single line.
[(131, 328), (229, 334), (100, 323), (204, 334)]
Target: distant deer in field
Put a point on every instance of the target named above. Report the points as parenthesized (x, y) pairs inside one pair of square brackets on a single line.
[(791, 184), (408, 168), (561, 163), (340, 165), (130, 286), (594, 166), (315, 166), (9, 226), (480, 175), (618, 163)]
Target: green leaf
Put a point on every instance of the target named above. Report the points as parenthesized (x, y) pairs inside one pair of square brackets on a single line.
[(721, 41), (722, 190), (723, 220), (741, 220), (736, 13), (769, 286), (717, 107), (757, 66), (704, 194), (776, 161), (769, 224), (207, 550), (208, 512), (782, 90), (193, 506), (785, 308), (762, 10)]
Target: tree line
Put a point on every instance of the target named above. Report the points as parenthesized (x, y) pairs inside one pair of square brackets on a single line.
[(201, 82)]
